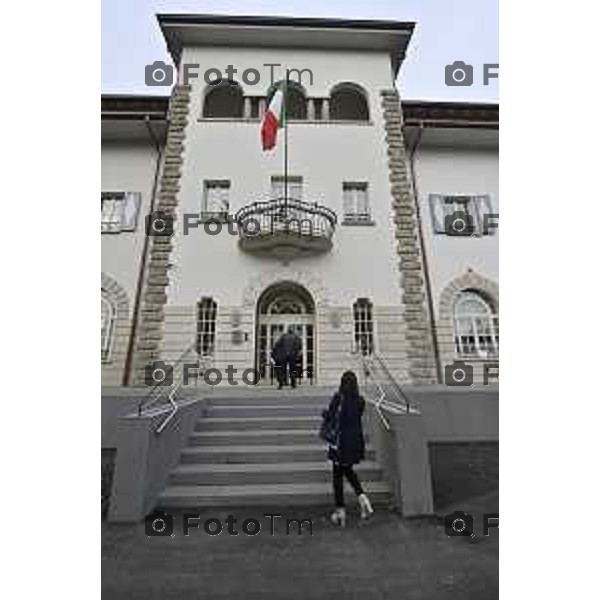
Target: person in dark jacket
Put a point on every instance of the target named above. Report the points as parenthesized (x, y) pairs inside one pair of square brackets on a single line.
[(285, 355), (347, 406)]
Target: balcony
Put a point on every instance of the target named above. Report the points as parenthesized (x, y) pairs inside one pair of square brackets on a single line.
[(285, 229)]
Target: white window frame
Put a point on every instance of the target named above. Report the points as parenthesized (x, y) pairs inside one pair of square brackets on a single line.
[(476, 335), (107, 331), (295, 187), (364, 326), (222, 200), (356, 210), (206, 326), (474, 205)]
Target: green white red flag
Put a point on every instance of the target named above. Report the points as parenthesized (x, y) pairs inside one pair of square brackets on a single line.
[(273, 120)]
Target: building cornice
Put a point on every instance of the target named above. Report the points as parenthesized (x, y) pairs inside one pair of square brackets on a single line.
[(181, 30), (427, 113), (416, 113)]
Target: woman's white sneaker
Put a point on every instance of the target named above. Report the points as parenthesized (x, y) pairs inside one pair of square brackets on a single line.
[(338, 517), (366, 510)]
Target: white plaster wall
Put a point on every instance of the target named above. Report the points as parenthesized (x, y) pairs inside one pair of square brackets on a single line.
[(457, 170), (126, 166), (363, 260)]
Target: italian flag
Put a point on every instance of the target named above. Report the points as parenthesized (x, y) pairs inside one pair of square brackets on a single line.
[(274, 119)]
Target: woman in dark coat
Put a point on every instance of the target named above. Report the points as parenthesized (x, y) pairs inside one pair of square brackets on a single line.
[(347, 407)]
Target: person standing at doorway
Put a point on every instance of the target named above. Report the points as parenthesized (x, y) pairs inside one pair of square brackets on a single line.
[(285, 353), (346, 408)]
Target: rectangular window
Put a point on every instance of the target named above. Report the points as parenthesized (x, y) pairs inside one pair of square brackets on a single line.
[(356, 202), (294, 190), (464, 215), (362, 311), (205, 327), (119, 211), (215, 203)]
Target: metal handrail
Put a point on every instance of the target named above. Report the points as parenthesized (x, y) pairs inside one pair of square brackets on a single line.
[(168, 393), (374, 367)]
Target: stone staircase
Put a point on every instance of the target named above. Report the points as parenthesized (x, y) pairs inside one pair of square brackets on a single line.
[(260, 447)]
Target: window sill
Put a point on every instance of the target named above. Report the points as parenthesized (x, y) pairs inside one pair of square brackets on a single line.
[(463, 237), (358, 222)]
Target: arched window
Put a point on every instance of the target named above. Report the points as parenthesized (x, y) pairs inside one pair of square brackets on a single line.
[(224, 101), (362, 311), (205, 327), (296, 104), (108, 317), (475, 326), (348, 103)]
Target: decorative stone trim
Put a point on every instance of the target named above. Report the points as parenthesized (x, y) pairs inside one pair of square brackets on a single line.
[(117, 295), (419, 337), (313, 284), (154, 297), (112, 364), (469, 281)]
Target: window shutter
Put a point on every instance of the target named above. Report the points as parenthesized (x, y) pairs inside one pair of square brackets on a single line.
[(474, 209), (436, 208), (362, 204), (131, 208), (348, 202)]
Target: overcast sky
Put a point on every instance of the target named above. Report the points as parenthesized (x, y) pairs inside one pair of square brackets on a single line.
[(447, 30)]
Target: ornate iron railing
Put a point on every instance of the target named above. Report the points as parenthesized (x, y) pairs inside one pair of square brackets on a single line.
[(286, 217)]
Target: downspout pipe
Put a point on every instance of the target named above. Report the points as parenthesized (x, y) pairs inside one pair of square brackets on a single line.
[(429, 293), (127, 371)]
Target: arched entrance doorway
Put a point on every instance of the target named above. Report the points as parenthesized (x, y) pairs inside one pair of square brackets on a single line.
[(280, 306)]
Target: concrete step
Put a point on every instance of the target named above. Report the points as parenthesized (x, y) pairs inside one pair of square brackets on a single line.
[(257, 423), (267, 391), (258, 453), (260, 473), (270, 400), (252, 437), (265, 410), (277, 494)]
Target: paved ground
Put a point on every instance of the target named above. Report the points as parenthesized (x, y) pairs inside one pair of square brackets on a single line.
[(386, 557)]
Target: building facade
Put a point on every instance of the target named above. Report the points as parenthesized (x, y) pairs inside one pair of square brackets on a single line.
[(354, 244)]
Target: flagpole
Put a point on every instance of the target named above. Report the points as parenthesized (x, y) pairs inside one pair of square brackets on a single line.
[(285, 146)]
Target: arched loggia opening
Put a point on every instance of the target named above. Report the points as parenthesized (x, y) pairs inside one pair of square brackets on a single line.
[(348, 102), (224, 101)]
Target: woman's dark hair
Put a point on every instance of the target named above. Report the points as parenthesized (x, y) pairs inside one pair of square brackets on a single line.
[(349, 385)]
